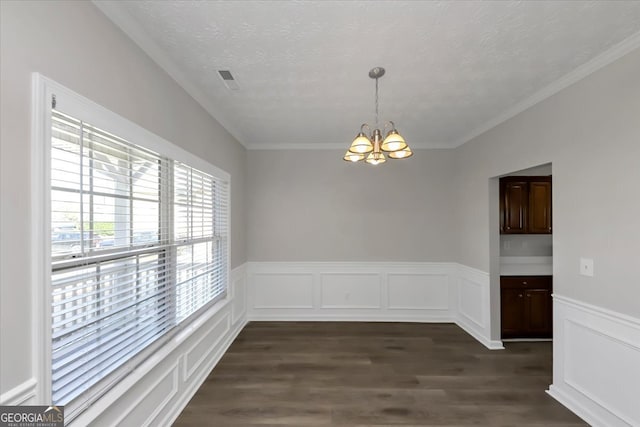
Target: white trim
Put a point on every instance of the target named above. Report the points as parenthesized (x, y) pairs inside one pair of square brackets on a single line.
[(82, 108), (281, 306), (576, 406), (173, 369), (22, 394), (188, 372), (375, 278), (238, 306), (343, 146), (70, 102), (596, 353), (599, 311), (190, 390), (479, 328), (351, 317), (390, 306), (40, 228), (489, 343), (173, 354), (605, 58)]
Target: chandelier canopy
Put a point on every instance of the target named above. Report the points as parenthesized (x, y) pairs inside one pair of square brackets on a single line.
[(371, 147)]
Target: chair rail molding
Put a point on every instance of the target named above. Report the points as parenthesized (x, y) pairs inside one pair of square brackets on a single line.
[(596, 360), (22, 394), (371, 291)]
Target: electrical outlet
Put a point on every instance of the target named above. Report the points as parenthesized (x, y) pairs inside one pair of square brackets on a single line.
[(586, 267)]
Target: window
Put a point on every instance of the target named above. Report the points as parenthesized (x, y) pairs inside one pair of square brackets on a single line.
[(139, 245)]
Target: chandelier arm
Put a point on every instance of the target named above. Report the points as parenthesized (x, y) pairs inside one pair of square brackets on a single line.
[(363, 126), (389, 122)]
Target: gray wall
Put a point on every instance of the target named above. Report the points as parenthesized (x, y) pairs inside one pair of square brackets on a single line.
[(590, 132), (307, 206), (526, 245), (75, 45), (313, 206)]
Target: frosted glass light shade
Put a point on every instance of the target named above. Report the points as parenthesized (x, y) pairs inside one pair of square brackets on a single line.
[(361, 144), (401, 154), (376, 158), (353, 157), (393, 142)]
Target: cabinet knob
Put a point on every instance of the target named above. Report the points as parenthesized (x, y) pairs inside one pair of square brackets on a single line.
[(528, 295), (524, 283), (519, 295)]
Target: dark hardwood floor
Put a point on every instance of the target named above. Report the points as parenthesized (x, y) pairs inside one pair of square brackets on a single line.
[(375, 374)]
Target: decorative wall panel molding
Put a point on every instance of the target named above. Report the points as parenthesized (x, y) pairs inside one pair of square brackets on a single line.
[(350, 290), (147, 406), (163, 385), (238, 296), (22, 394), (297, 287), (197, 353), (418, 291), (473, 305), (387, 291), (596, 363)]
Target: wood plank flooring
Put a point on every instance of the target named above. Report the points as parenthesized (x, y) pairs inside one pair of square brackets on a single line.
[(375, 374)]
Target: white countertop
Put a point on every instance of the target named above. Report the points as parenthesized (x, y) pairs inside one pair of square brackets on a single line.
[(526, 266)]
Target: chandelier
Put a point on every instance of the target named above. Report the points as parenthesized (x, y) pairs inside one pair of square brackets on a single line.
[(371, 148)]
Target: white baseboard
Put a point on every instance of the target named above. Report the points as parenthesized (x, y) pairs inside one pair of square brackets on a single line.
[(596, 360), (577, 406), (372, 292), (490, 344)]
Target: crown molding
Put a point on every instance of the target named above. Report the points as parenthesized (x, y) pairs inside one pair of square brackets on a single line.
[(119, 17), (333, 146), (607, 57), (130, 27)]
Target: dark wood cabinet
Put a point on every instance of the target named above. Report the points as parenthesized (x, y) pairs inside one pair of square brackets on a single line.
[(539, 207), (526, 307), (515, 198), (525, 205)]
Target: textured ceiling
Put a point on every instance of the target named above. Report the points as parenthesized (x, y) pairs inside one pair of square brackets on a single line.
[(454, 69)]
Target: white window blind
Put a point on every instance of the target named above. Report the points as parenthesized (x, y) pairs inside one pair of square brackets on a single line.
[(139, 243)]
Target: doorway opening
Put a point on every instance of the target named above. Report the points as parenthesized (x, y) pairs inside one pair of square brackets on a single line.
[(521, 255)]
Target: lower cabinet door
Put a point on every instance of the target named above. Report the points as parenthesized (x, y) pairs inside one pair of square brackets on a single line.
[(538, 313), (512, 316)]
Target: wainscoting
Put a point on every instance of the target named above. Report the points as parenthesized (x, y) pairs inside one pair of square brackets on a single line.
[(596, 351), (156, 393), (596, 363), (24, 394), (385, 292)]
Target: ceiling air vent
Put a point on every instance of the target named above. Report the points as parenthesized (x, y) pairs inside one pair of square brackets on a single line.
[(228, 79)]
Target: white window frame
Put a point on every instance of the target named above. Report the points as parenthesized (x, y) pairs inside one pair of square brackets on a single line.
[(43, 91)]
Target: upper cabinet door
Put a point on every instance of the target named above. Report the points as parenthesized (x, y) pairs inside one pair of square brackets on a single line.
[(513, 206), (540, 207), (525, 205)]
